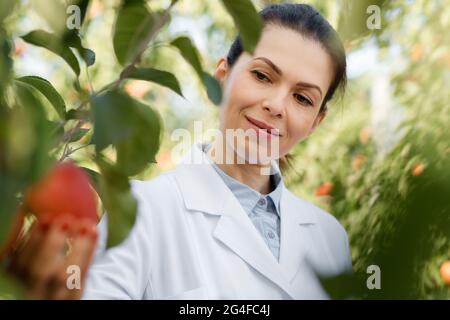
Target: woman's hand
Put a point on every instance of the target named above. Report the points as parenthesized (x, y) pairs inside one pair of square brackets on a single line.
[(53, 261)]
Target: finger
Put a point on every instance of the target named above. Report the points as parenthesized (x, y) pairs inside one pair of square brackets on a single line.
[(76, 263), (20, 259), (48, 258), (26, 248)]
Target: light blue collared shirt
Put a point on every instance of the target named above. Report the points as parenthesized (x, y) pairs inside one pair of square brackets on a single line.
[(263, 210)]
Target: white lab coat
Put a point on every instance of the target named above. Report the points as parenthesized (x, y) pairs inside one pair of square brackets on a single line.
[(193, 240)]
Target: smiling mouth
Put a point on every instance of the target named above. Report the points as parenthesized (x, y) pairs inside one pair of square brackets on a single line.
[(263, 126)]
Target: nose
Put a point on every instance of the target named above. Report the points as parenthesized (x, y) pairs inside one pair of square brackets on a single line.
[(276, 106)]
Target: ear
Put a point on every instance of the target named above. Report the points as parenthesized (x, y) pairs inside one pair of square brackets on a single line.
[(319, 118), (221, 71)]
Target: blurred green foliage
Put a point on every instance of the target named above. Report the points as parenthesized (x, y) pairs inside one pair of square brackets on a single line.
[(379, 162)]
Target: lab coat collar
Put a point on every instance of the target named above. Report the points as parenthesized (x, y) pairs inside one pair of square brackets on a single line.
[(204, 190), (197, 178)]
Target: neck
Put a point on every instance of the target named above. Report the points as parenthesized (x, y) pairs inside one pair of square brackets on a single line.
[(247, 173)]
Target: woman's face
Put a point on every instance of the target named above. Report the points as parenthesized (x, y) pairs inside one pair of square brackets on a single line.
[(281, 86)]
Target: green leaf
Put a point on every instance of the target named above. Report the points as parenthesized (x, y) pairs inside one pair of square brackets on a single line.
[(56, 132), (189, 53), (131, 126), (30, 146), (6, 63), (77, 114), (73, 40), (95, 178), (88, 55), (12, 174), (10, 288), (78, 134), (247, 20), (51, 42), (344, 286), (47, 89), (9, 186), (213, 88), (118, 201), (133, 24), (161, 77), (6, 7), (83, 5)]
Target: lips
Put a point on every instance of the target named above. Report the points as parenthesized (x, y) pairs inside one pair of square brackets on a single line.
[(262, 125)]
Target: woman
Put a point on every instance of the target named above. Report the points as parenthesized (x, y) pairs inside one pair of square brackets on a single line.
[(216, 229)]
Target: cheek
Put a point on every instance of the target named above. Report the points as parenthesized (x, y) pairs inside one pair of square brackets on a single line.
[(241, 95), (299, 125), (245, 92)]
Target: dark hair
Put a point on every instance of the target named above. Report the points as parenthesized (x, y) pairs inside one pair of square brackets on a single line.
[(310, 23)]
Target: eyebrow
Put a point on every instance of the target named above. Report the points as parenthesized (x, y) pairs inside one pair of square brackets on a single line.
[(280, 73)]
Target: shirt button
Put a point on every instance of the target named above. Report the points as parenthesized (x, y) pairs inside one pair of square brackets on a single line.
[(262, 202), (271, 235)]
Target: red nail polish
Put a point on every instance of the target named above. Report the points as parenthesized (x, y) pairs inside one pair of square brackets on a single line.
[(64, 227), (44, 227), (84, 231)]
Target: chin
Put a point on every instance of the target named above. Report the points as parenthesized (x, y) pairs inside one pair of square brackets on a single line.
[(255, 151)]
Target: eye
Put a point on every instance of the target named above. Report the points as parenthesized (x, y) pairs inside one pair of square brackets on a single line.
[(302, 99), (260, 76)]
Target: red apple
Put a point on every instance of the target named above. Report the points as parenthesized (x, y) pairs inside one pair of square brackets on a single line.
[(417, 169), (445, 272), (324, 189), (65, 190)]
